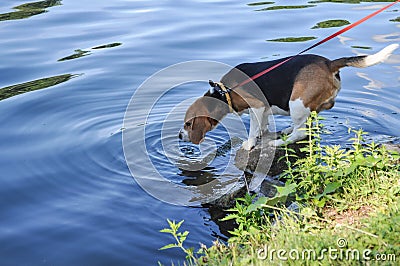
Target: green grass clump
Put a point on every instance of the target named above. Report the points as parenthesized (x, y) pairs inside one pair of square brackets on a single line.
[(338, 206)]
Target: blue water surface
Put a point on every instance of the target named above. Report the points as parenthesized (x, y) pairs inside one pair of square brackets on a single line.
[(66, 194)]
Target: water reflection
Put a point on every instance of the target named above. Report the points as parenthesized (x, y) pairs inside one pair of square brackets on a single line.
[(34, 85), (391, 37), (81, 53), (395, 19), (361, 47), (109, 45), (29, 9), (293, 39), (78, 53), (373, 84), (348, 1), (260, 3), (331, 23), (284, 7), (201, 177)]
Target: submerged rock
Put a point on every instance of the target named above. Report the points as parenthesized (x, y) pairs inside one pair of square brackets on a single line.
[(249, 160), (392, 147), (265, 159)]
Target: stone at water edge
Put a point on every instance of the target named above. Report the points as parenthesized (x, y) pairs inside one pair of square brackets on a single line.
[(248, 160)]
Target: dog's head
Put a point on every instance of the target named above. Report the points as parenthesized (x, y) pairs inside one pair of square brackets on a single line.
[(203, 115), (198, 121)]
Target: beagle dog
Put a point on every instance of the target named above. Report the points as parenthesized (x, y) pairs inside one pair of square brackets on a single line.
[(304, 84)]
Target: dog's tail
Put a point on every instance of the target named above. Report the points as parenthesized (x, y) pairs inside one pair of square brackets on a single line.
[(365, 60)]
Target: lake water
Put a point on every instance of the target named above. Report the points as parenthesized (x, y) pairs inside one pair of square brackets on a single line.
[(67, 72)]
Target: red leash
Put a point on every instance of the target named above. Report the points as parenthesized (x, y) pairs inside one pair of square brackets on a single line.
[(315, 45)]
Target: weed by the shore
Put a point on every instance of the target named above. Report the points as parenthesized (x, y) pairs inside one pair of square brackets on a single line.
[(347, 201)]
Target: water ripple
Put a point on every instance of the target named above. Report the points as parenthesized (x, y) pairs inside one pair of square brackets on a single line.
[(67, 197)]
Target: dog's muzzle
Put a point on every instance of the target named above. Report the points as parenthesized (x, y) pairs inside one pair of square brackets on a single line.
[(183, 135)]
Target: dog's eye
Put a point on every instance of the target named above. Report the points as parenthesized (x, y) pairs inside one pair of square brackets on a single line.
[(188, 124)]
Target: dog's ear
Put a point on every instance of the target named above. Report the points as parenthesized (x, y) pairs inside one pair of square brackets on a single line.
[(213, 122), (212, 83), (201, 125)]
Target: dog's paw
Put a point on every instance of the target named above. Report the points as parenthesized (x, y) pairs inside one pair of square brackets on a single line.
[(249, 144), (276, 143), (288, 130)]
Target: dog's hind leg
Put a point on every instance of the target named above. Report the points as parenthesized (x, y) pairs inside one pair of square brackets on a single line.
[(299, 114)]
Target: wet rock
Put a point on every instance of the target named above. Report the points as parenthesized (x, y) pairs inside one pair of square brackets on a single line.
[(268, 187), (392, 147), (229, 200), (264, 159), (249, 160)]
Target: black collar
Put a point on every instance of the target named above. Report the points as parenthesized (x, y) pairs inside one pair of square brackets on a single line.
[(220, 91)]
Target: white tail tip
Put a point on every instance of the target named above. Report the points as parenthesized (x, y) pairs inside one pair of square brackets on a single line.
[(380, 56)]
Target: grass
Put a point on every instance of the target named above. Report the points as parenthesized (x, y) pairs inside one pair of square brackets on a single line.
[(338, 206)]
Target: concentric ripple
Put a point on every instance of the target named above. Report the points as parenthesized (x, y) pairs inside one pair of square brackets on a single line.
[(165, 167)]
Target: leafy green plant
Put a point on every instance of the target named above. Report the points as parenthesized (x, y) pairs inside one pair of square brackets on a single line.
[(289, 153), (247, 219), (331, 185), (328, 171), (180, 238)]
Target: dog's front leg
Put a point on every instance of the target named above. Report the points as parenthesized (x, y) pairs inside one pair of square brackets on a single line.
[(256, 116), (264, 123)]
